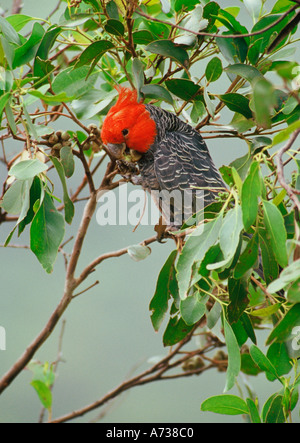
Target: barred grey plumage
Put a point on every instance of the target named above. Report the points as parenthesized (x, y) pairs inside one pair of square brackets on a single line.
[(178, 159)]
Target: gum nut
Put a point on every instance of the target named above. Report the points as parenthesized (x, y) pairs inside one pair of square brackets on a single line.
[(53, 139), (92, 127), (86, 146), (65, 136), (57, 146)]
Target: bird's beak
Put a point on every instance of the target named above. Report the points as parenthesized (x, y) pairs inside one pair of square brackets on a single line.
[(116, 150)]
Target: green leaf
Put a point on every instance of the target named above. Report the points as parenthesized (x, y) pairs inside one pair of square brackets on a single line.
[(287, 276), (225, 404), (237, 103), (114, 27), (234, 356), (262, 361), (186, 4), (208, 102), (176, 331), (159, 302), (274, 223), (247, 325), (27, 169), (192, 309), (253, 411), (67, 160), (269, 262), (18, 21), (259, 43), (112, 10), (52, 99), (284, 328), (167, 48), (143, 37), (69, 206), (273, 410), (282, 6), (213, 69), (195, 248), (9, 32), (251, 190), (248, 366), (198, 111), (238, 295), (213, 315), (248, 72), (138, 252), (43, 392), (3, 102), (158, 92), (229, 237), (36, 198), (138, 72), (73, 82), (28, 50), (93, 52), (16, 199), (286, 133), (248, 258), (293, 295), (48, 41), (266, 312), (279, 357), (183, 88), (46, 233), (234, 50), (263, 102)]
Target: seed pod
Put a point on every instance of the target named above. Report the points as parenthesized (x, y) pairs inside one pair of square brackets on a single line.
[(135, 156), (67, 143), (65, 136), (86, 146), (53, 139), (57, 146), (92, 127), (193, 363)]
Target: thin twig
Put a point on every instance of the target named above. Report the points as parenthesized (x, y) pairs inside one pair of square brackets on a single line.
[(280, 171), (17, 7), (209, 34)]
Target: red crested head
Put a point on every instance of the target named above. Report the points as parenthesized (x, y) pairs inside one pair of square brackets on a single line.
[(128, 121)]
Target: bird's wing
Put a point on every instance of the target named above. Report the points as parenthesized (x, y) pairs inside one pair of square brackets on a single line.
[(182, 162)]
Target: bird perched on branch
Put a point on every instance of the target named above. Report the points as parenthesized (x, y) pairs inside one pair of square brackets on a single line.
[(171, 155)]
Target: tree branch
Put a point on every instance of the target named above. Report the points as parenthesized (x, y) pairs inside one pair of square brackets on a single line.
[(155, 373), (17, 7)]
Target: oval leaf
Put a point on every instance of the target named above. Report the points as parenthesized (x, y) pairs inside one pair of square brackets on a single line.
[(27, 169), (167, 48), (138, 252), (225, 404), (274, 224), (213, 70)]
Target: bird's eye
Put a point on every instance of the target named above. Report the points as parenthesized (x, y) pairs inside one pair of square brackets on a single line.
[(125, 132)]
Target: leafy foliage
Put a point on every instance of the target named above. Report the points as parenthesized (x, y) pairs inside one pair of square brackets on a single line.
[(238, 271)]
